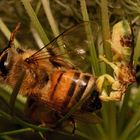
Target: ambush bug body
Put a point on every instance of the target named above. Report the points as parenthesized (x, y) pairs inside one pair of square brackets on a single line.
[(122, 44)]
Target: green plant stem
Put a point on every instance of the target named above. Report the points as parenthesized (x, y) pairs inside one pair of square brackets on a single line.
[(84, 10), (106, 29), (48, 12), (21, 122), (137, 49), (35, 21), (16, 90), (93, 53), (101, 132), (16, 131), (33, 127), (112, 121), (122, 113), (134, 133), (111, 124), (131, 6), (38, 7), (7, 32), (105, 111), (130, 126), (28, 125), (52, 22), (5, 93)]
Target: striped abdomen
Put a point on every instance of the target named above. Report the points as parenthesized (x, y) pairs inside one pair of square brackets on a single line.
[(67, 88)]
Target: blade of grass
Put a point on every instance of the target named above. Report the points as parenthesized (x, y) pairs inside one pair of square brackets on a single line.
[(131, 6), (106, 29), (49, 15), (16, 91), (23, 123), (37, 38), (109, 110), (15, 131), (137, 49), (93, 53), (17, 120), (130, 125), (7, 138), (52, 22), (134, 133), (112, 121), (38, 7), (122, 113), (35, 21), (5, 93)]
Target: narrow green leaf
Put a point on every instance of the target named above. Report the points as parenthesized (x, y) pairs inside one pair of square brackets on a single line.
[(15, 131), (93, 53), (16, 90), (35, 21), (49, 15), (137, 49)]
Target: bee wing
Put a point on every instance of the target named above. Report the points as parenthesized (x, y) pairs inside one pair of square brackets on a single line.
[(90, 118), (71, 46)]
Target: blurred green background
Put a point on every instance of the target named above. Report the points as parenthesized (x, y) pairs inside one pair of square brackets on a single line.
[(43, 20)]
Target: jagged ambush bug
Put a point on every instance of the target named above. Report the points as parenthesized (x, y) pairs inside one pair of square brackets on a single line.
[(122, 44), (53, 82)]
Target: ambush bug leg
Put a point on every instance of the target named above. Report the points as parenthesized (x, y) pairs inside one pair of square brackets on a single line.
[(112, 96), (100, 83), (104, 96), (112, 65), (116, 95)]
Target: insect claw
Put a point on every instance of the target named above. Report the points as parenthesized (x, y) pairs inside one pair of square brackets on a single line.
[(113, 96), (116, 95), (108, 62), (104, 96)]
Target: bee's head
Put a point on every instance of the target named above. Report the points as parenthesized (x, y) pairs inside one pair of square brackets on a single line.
[(8, 53), (7, 57)]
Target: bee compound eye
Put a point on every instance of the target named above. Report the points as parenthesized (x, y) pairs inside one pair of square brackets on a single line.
[(4, 63)]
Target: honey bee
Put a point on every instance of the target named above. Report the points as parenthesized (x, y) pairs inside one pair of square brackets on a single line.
[(57, 77), (53, 80)]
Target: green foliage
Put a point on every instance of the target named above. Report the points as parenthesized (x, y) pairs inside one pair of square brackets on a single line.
[(120, 121)]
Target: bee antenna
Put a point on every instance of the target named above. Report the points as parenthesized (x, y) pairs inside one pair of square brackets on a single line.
[(13, 35)]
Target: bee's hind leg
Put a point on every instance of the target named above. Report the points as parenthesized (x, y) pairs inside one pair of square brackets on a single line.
[(74, 124)]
